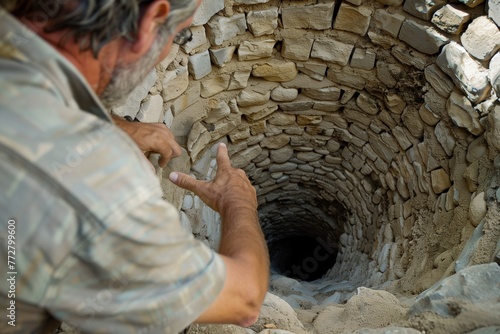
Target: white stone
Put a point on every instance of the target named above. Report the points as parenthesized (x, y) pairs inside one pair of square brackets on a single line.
[(463, 114), (187, 203), (349, 14), (186, 222), (494, 73), (207, 9), (477, 209), (218, 84), (168, 118), (221, 28), (318, 16), (494, 11), (316, 71), (388, 22), (200, 65), (247, 98), (281, 94), (297, 48), (198, 39), (324, 94), (255, 50), (219, 112), (467, 73), (263, 22), (363, 58), (220, 57), (445, 137), (450, 19), (481, 39), (151, 110), (423, 38), (423, 9), (331, 50), (189, 97), (175, 83), (133, 101), (239, 79)]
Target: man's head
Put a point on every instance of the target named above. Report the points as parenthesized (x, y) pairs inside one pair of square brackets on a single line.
[(146, 29)]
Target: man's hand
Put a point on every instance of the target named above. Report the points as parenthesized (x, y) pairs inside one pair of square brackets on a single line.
[(151, 138)]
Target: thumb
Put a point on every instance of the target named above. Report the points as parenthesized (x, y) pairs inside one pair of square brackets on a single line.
[(184, 181)]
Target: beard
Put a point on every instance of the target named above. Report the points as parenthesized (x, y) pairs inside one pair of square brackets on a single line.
[(125, 78)]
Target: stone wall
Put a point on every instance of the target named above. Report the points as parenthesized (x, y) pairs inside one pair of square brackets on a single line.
[(375, 124)]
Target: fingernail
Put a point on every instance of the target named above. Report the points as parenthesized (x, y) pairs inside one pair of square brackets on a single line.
[(222, 144), (173, 177)]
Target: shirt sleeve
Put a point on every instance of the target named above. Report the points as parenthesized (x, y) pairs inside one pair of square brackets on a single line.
[(143, 273)]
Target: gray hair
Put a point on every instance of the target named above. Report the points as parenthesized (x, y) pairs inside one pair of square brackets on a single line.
[(94, 23)]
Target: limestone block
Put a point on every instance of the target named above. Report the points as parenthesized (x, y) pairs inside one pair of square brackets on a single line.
[(327, 106), (281, 119), (300, 105), (281, 94), (440, 181), (247, 98), (184, 121), (168, 118), (251, 2), (308, 120), (388, 22), (348, 14), (323, 94), (318, 16), (256, 113), (481, 39), (210, 87), (281, 155), (463, 114), (331, 50), (207, 9), (199, 65), (151, 110), (493, 136), (494, 11), (438, 80), (477, 209), (471, 3), (316, 71), (243, 158), (367, 104), (450, 19), (221, 28), (217, 113), (467, 73), (275, 70), (394, 103), (224, 128), (445, 137), (239, 80), (386, 73), (391, 2), (421, 37), (198, 39), (476, 150), (190, 96), (297, 48), (220, 57), (255, 50), (198, 139), (428, 116), (494, 73), (133, 101), (363, 58), (275, 142), (309, 156), (423, 9), (401, 137), (262, 22), (409, 56)]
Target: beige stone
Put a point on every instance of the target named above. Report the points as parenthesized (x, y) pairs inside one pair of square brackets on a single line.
[(210, 87), (318, 16), (463, 114), (440, 181), (477, 209), (275, 142), (348, 14), (248, 97), (262, 22), (297, 48), (253, 50), (275, 70), (422, 37), (423, 9), (450, 19), (388, 22), (481, 39), (331, 50)]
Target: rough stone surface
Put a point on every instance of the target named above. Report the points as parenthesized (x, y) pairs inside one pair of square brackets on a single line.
[(278, 71), (133, 101), (440, 181), (450, 19), (494, 73), (481, 39), (332, 51), (262, 22), (423, 9), (206, 10), (463, 114), (200, 65), (317, 16), (390, 23), (255, 50), (423, 38), (222, 28), (221, 57), (348, 14)]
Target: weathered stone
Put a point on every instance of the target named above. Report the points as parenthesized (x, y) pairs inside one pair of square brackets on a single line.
[(151, 110), (239, 80), (411, 57), (401, 137), (190, 96), (394, 103), (256, 113), (219, 112), (350, 77), (220, 57), (281, 94), (438, 80), (482, 38), (387, 73), (308, 120), (494, 11), (215, 85), (467, 73), (275, 70), (318, 16), (423, 38), (463, 114), (363, 58), (493, 135), (251, 2), (494, 73), (281, 155), (391, 2), (284, 167), (200, 65), (252, 50), (388, 22), (367, 104), (198, 139), (206, 10), (275, 142), (221, 28), (477, 209), (247, 98), (297, 48), (435, 103), (327, 106), (198, 39), (471, 3), (476, 150), (175, 83), (262, 22), (309, 156), (348, 14), (317, 71), (440, 181), (423, 9), (331, 50), (243, 158), (132, 103), (450, 20), (325, 94), (445, 137)]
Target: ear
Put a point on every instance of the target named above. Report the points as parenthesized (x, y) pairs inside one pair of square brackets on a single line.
[(154, 16)]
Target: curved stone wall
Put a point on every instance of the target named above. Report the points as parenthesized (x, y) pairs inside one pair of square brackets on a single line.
[(371, 128)]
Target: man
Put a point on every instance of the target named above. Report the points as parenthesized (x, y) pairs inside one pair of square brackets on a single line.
[(86, 237)]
